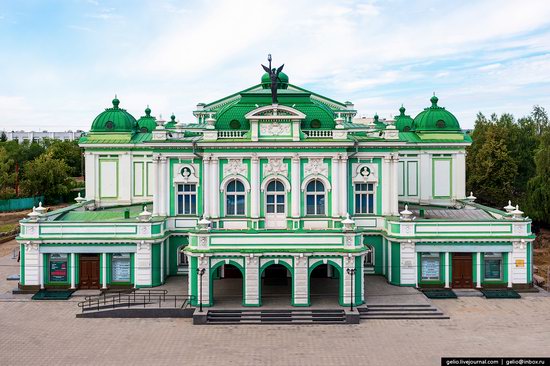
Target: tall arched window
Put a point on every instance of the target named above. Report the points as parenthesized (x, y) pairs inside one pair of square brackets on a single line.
[(275, 197), (235, 198), (315, 198)]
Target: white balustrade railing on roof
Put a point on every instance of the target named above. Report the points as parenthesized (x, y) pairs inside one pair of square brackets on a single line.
[(318, 133), (231, 134)]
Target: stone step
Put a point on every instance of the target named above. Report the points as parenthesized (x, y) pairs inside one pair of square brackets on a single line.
[(275, 317), (405, 317)]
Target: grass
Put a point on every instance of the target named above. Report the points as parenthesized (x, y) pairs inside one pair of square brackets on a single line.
[(7, 227)]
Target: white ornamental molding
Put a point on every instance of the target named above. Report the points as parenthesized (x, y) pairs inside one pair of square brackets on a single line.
[(316, 166), (520, 229), (275, 129), (252, 259), (365, 173), (203, 242), (276, 166), (31, 247), (519, 245), (144, 246), (407, 229), (235, 167), (408, 245), (185, 173)]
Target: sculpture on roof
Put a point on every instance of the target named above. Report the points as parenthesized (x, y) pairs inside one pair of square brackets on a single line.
[(274, 76)]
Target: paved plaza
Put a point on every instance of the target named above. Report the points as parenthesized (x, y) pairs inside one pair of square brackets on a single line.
[(47, 332)]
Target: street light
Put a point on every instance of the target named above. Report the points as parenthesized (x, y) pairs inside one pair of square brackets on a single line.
[(351, 272), (200, 272)]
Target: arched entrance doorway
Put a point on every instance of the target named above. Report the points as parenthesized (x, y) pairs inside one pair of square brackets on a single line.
[(276, 284), (325, 281), (227, 284)]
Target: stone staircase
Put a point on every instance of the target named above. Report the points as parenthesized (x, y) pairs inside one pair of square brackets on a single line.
[(413, 312), (317, 316)]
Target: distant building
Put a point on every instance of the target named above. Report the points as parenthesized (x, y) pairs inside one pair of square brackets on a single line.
[(30, 136)]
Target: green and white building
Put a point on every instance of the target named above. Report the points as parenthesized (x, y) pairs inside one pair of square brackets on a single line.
[(253, 186)]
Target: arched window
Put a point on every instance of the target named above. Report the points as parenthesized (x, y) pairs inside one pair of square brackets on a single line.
[(275, 197), (235, 198), (315, 198)]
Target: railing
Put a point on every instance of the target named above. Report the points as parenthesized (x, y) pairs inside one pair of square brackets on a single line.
[(231, 134), (318, 133), (140, 298)]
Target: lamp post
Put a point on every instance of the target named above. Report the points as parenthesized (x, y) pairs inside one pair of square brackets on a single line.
[(351, 272), (200, 272)]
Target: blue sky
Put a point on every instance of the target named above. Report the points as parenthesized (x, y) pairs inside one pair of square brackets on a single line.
[(63, 61)]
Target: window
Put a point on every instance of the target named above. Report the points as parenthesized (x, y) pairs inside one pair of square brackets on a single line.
[(315, 123), (315, 198), (369, 257), (186, 199), (275, 197), (440, 124), (364, 198), (235, 124), (430, 266), (109, 125), (235, 198), (58, 268), (120, 267), (493, 266)]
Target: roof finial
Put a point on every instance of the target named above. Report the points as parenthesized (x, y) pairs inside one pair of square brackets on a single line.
[(434, 100), (116, 102)]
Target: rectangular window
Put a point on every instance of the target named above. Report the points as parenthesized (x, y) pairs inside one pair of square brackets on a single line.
[(364, 198), (493, 266), (429, 266), (120, 267), (58, 268), (186, 199)]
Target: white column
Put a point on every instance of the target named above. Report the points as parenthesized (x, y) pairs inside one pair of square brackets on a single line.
[(162, 261), (104, 270), (156, 193), (343, 186), (389, 261), (41, 269), (395, 185), (386, 186), (446, 269), (478, 270), (301, 280), (415, 266), (295, 189), (255, 188), (252, 281), (135, 268), (459, 169), (206, 185), (510, 268), (89, 171), (335, 187), (215, 200), (73, 271), (163, 211)]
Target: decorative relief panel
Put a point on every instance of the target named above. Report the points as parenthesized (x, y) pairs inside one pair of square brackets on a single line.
[(275, 129), (235, 167), (316, 166), (365, 173), (185, 173), (276, 166)]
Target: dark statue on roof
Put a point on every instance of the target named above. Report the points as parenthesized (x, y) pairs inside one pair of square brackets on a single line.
[(274, 76)]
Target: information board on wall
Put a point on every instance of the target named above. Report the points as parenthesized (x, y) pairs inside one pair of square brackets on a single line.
[(430, 268), (58, 271), (121, 270)]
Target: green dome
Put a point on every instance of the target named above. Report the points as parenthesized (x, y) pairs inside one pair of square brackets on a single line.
[(147, 123), (172, 123), (435, 118), (379, 124), (403, 122), (282, 84), (114, 119)]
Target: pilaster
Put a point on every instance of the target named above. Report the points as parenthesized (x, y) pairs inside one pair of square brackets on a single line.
[(301, 281), (255, 187), (252, 281), (336, 186), (215, 198), (206, 185), (295, 183), (343, 186)]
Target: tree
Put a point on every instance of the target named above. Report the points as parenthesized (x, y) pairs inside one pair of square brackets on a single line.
[(70, 152), (3, 137), (46, 176), (492, 173), (7, 177), (538, 203)]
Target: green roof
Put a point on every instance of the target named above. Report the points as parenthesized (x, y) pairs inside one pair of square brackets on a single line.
[(147, 123), (114, 119), (435, 118), (403, 122)]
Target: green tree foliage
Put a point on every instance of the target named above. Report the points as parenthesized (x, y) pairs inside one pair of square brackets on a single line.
[(3, 137), (7, 177), (46, 176), (70, 153), (538, 192)]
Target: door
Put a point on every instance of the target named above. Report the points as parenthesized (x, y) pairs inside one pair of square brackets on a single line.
[(275, 208), (462, 270), (89, 271)]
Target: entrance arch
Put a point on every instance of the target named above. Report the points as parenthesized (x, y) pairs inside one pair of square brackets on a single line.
[(325, 282), (227, 285), (276, 283)]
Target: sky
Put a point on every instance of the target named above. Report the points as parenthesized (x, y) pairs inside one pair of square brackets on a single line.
[(62, 62)]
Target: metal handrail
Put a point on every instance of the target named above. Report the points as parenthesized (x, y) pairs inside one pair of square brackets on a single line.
[(136, 298)]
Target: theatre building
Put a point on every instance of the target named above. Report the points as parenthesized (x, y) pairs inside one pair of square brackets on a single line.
[(276, 184)]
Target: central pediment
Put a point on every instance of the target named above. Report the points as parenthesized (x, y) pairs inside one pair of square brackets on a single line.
[(275, 122), (275, 112)]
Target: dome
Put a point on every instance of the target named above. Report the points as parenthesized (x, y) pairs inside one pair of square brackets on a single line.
[(403, 122), (114, 119), (379, 124), (435, 118), (172, 123), (282, 84), (147, 123)]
